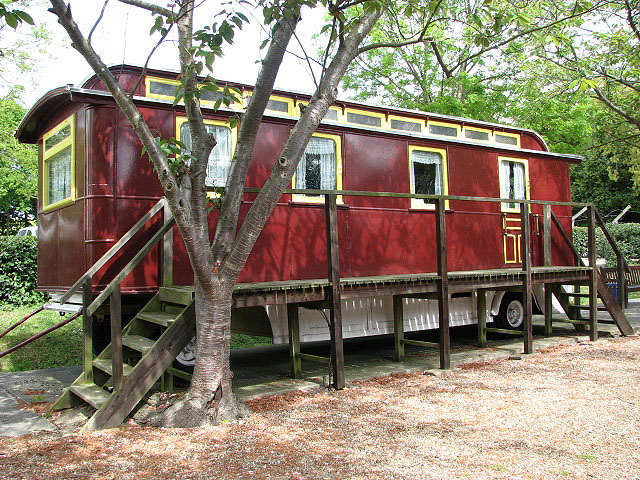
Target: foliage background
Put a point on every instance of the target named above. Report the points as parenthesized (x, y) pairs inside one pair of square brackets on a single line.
[(19, 270), (626, 235)]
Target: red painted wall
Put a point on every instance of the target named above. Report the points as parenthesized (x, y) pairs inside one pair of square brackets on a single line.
[(378, 236)]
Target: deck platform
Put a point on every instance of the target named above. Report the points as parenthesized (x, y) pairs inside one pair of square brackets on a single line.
[(316, 290)]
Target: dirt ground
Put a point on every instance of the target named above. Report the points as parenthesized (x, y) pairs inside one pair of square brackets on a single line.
[(569, 412)]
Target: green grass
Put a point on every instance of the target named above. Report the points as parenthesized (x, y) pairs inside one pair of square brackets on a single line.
[(62, 347), (239, 340)]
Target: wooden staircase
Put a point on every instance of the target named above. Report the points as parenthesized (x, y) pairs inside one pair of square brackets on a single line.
[(150, 343)]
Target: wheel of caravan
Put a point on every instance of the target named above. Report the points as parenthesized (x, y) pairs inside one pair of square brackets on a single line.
[(511, 314), (186, 359)]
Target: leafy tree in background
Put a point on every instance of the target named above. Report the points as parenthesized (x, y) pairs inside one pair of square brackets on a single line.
[(18, 172), (22, 45)]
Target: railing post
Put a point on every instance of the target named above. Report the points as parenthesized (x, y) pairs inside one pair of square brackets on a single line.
[(87, 332), (116, 337), (167, 249), (333, 260), (548, 262), (526, 283), (593, 288), (443, 285)]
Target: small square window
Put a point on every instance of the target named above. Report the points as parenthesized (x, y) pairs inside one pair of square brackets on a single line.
[(428, 175)]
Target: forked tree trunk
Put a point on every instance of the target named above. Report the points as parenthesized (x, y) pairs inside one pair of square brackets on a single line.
[(210, 399)]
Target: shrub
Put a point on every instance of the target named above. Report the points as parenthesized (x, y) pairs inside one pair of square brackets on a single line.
[(19, 270), (626, 235)]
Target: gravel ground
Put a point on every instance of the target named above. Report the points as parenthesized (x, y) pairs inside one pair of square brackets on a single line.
[(567, 412)]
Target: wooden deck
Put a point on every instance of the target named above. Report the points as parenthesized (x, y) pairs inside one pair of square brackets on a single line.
[(314, 290)]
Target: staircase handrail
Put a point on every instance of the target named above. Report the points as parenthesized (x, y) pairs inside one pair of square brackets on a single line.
[(128, 268), (611, 240), (113, 250)]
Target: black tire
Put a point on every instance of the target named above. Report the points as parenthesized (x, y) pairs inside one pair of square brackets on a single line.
[(511, 314), (185, 362)]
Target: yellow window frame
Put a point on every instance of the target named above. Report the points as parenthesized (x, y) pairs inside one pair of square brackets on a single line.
[(507, 134), (338, 111), (524, 162), (419, 203), (48, 153), (168, 81), (422, 123), (303, 198), (476, 129), (180, 120), (289, 101), (443, 124), (381, 116)]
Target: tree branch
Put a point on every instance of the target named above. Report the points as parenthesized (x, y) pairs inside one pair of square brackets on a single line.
[(165, 12), (447, 72), (420, 38), (293, 150), (604, 99), (232, 199), (631, 20), (167, 179), (95, 25)]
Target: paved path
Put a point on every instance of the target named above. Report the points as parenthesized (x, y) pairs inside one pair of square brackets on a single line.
[(265, 370)]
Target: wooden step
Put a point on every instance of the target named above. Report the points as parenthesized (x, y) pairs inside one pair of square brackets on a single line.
[(138, 342), (106, 366), (180, 296), (601, 308), (90, 393), (160, 318)]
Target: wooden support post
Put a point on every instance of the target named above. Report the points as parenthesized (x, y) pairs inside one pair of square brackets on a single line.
[(548, 310), (526, 283), (481, 309), (593, 288), (87, 332), (546, 227), (333, 258), (621, 283), (167, 249), (398, 328), (548, 261), (443, 285), (116, 338), (294, 340)]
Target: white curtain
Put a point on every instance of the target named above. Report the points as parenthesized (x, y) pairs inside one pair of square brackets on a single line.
[(512, 182), (317, 168), (220, 156), (59, 176), (428, 158)]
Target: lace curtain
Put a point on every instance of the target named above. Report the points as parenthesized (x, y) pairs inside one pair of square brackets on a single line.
[(512, 182), (220, 156), (317, 168), (427, 172), (59, 176)]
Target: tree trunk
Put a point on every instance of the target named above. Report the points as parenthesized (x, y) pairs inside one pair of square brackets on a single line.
[(209, 400)]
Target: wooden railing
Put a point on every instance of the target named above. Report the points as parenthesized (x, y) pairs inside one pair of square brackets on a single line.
[(112, 290), (102, 261)]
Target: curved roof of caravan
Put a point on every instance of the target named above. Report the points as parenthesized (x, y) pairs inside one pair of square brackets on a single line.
[(48, 104)]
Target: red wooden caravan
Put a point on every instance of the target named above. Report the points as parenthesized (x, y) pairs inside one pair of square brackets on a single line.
[(95, 184)]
